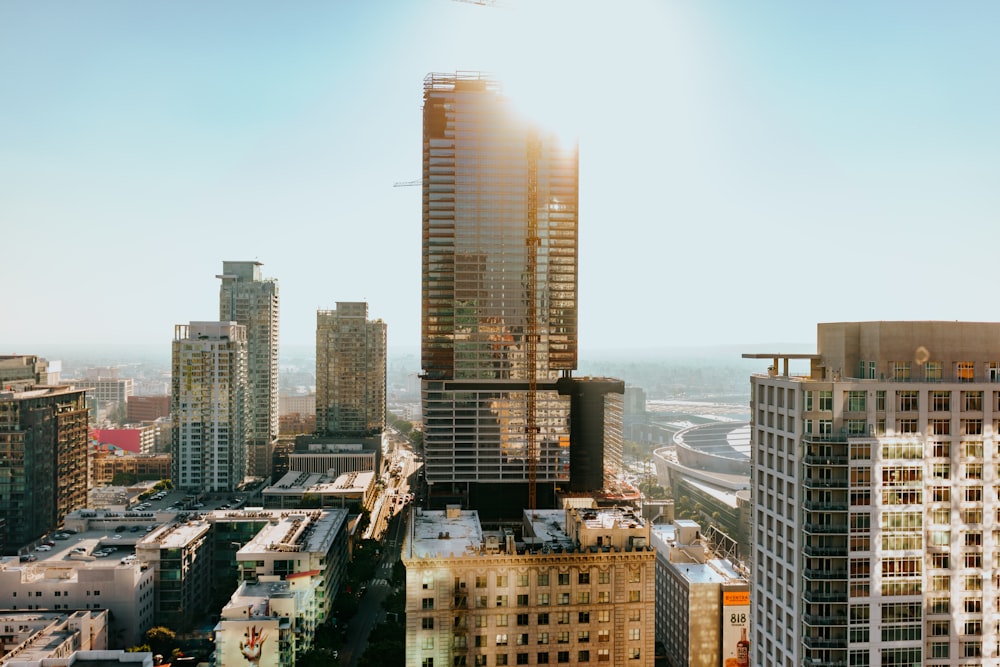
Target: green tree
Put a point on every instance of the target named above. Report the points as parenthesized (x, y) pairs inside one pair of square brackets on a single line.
[(161, 640)]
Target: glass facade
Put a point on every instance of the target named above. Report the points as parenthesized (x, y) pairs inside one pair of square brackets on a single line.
[(482, 170)]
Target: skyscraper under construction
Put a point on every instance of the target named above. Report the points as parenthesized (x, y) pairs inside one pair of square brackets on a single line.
[(499, 276)]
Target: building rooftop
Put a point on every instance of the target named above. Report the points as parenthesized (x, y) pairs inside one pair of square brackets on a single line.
[(712, 570), (296, 483), (443, 533), (310, 531)]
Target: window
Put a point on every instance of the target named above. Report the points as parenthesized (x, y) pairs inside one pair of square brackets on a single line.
[(427, 603), (901, 371), (856, 401), (939, 628), (522, 600), (522, 619), (826, 400), (940, 427), (972, 401), (543, 618), (563, 618), (906, 425), (603, 597), (562, 656), (563, 637), (583, 597), (501, 581), (564, 579), (973, 471), (633, 634), (522, 658), (604, 577), (583, 617), (972, 449), (583, 636), (932, 371), (965, 371), (543, 658), (481, 601), (635, 614), (501, 659), (543, 599), (941, 450), (501, 600), (940, 401), (857, 426), (974, 494), (880, 401), (633, 653), (603, 635), (522, 580), (583, 578), (543, 638), (634, 596), (427, 623), (543, 578), (603, 655), (604, 616), (908, 401), (807, 400), (481, 581), (522, 639), (563, 598), (501, 639), (583, 656), (972, 427), (427, 662)]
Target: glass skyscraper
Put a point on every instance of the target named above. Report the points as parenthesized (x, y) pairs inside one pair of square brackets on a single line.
[(484, 170)]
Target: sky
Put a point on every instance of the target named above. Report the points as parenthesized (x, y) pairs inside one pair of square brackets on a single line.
[(747, 170)]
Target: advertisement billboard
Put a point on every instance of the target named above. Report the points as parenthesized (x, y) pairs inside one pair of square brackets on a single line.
[(735, 627), (250, 643)]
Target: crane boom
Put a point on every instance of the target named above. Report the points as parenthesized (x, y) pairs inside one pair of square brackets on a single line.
[(531, 426)]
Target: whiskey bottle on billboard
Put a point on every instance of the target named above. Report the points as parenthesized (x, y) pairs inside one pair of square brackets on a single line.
[(743, 649)]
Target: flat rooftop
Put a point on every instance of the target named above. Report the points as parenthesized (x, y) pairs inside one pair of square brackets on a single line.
[(444, 533)]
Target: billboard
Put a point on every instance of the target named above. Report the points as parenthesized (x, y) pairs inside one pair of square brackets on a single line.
[(735, 626), (252, 642)]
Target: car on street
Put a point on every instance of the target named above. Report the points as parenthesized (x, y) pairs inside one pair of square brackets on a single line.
[(43, 547)]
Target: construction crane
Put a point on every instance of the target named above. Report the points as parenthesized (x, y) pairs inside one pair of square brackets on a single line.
[(532, 242), (407, 184)]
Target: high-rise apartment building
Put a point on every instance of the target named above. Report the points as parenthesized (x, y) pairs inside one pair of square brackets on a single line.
[(43, 459), (875, 498), (209, 409), (350, 371), (487, 176), (245, 297)]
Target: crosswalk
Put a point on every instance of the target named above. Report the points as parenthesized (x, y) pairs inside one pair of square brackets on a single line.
[(380, 582)]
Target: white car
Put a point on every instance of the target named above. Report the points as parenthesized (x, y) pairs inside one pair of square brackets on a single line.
[(43, 547)]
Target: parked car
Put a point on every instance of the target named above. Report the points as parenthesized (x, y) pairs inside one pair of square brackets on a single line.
[(43, 547)]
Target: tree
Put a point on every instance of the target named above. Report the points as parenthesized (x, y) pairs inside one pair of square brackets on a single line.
[(161, 640)]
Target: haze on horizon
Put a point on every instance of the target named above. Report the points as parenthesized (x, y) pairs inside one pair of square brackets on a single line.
[(746, 170)]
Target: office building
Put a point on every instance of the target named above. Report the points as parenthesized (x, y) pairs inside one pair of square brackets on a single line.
[(350, 371), (43, 458), (28, 368), (702, 600), (248, 299), (875, 497), (209, 409), (499, 287), (147, 408), (576, 586), (61, 584)]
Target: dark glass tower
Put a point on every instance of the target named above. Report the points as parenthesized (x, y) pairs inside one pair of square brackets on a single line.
[(483, 167)]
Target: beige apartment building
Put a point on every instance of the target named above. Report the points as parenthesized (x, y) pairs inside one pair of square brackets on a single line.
[(576, 587), (875, 498)]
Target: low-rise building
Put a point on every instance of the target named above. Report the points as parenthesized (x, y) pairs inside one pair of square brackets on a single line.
[(267, 623), (60, 584), (577, 586), (105, 466), (702, 600), (353, 490), (29, 637)]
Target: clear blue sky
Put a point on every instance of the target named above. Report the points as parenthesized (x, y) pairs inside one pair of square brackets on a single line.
[(747, 169)]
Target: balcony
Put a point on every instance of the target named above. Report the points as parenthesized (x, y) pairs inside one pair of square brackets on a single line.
[(836, 483), (825, 507), (824, 621), (826, 460), (825, 596), (824, 642), (826, 528), (825, 575)]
